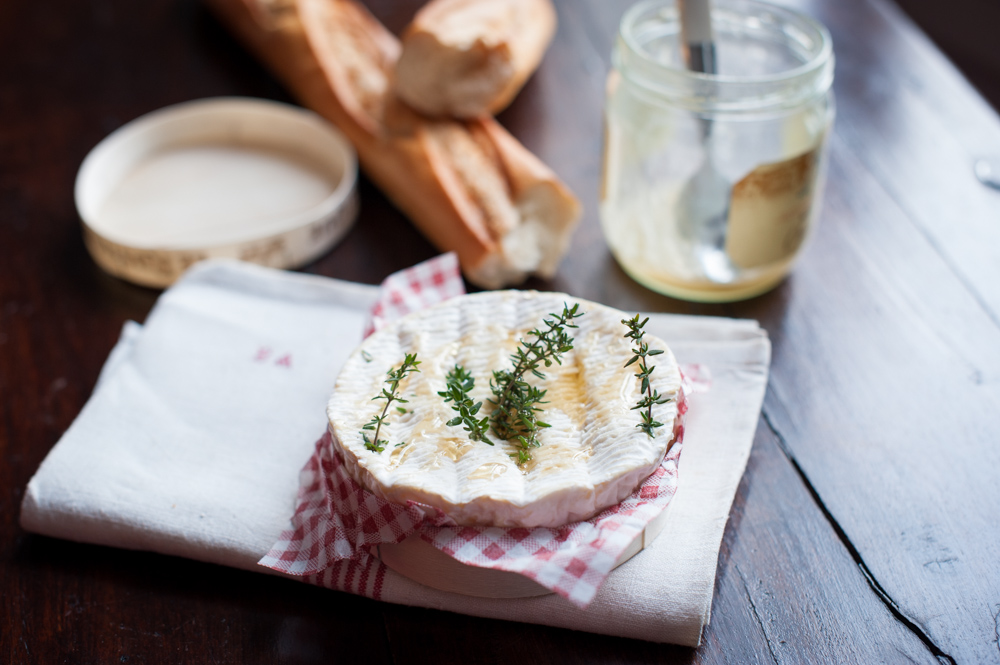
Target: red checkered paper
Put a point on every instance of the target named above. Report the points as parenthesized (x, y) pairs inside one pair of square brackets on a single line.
[(423, 285), (337, 522)]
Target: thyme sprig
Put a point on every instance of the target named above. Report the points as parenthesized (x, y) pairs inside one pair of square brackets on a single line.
[(515, 412), (390, 395), (460, 384), (650, 397)]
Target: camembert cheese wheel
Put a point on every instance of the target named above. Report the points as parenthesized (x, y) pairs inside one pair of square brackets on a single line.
[(591, 457)]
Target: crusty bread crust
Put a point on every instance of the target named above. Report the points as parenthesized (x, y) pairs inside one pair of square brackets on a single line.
[(469, 58), (469, 186)]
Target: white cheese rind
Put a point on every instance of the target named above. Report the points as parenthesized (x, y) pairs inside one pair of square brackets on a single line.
[(592, 457)]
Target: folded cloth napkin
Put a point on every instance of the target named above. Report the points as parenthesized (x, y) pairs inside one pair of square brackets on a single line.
[(192, 443)]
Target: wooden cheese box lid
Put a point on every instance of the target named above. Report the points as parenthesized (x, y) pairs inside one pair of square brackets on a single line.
[(240, 178)]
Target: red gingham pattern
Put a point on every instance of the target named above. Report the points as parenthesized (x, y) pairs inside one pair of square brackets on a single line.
[(423, 285), (571, 560), (337, 523), (336, 518), (362, 576)]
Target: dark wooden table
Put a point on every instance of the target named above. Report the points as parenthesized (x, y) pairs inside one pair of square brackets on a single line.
[(867, 526)]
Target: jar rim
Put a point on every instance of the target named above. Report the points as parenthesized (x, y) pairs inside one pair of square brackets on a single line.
[(811, 78)]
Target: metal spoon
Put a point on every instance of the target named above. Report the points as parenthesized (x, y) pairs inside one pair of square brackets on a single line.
[(703, 204)]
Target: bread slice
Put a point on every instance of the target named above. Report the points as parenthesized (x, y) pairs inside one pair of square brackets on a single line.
[(469, 186), (468, 58)]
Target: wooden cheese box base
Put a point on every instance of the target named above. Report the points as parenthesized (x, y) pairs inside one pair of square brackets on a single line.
[(420, 561)]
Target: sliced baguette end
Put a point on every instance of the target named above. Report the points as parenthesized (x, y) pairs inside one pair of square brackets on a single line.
[(548, 215)]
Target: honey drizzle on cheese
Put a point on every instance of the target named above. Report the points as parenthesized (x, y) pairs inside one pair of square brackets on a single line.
[(452, 448), (489, 471), (548, 459), (428, 433), (399, 455)]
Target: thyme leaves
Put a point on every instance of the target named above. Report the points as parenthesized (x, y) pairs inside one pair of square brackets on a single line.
[(515, 401), (390, 394), (460, 383), (641, 352)]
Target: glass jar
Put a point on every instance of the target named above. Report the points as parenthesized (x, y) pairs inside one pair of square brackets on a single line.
[(711, 182)]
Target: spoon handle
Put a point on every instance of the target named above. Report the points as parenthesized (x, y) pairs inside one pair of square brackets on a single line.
[(696, 34)]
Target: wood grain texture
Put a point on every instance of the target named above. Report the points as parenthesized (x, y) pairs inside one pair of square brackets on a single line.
[(893, 312), (896, 307), (866, 527)]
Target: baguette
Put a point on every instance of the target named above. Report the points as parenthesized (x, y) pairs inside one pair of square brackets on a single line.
[(468, 58), (469, 186)]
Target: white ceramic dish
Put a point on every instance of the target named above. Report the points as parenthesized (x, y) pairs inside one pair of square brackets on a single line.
[(240, 178)]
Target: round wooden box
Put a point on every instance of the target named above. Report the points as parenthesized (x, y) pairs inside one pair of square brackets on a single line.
[(420, 561), (248, 179)]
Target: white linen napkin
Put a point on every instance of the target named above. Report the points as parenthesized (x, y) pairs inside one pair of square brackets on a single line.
[(193, 439)]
